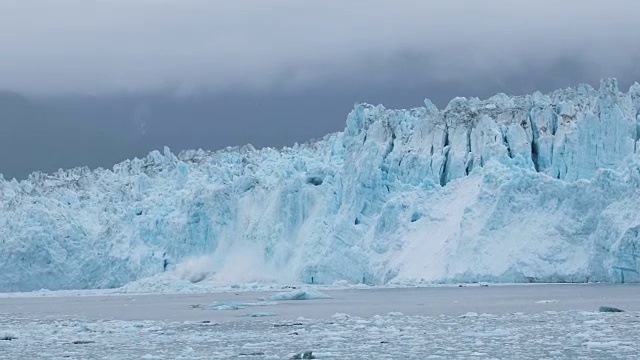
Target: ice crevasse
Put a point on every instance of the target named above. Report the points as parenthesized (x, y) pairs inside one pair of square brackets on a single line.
[(536, 188)]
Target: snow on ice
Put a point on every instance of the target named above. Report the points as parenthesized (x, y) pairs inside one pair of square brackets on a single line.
[(538, 188)]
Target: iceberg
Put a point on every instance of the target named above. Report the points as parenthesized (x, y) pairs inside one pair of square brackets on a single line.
[(535, 188)]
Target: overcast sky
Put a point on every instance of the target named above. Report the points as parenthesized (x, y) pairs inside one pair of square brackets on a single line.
[(107, 80)]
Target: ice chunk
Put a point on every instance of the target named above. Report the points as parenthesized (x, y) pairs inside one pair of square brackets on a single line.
[(546, 301), (230, 305), (609, 309), (8, 336), (304, 355), (235, 305), (341, 316), (395, 313), (258, 314), (469, 314), (298, 295)]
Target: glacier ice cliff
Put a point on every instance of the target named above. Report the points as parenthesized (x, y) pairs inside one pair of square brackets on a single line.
[(537, 188)]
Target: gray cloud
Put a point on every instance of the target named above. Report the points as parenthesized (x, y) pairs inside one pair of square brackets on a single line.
[(102, 46)]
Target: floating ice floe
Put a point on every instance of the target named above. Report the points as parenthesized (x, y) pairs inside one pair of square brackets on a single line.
[(298, 295)]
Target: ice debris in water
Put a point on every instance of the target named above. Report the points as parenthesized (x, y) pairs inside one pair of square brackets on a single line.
[(258, 314), (469, 314), (234, 305), (298, 295), (304, 355), (8, 336), (341, 316)]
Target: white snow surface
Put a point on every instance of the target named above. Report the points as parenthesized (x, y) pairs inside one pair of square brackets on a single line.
[(536, 188)]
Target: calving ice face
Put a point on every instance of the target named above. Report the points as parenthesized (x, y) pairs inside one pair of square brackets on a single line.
[(536, 188)]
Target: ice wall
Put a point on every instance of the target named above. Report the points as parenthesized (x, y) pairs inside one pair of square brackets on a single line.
[(516, 189)]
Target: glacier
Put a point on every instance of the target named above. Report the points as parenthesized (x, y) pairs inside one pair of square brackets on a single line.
[(535, 188)]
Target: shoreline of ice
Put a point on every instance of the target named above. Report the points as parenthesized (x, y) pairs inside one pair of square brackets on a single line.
[(204, 289)]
